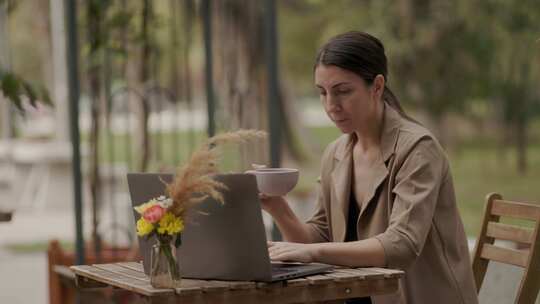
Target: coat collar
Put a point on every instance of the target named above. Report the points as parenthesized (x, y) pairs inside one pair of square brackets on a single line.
[(391, 123), (341, 175)]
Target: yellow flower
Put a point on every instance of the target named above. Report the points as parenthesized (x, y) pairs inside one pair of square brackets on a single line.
[(144, 227), (142, 208), (170, 224)]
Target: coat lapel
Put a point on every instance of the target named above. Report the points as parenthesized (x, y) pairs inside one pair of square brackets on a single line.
[(341, 174), (380, 172), (341, 179), (389, 137)]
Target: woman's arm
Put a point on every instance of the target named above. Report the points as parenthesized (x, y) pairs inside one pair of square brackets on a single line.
[(292, 229), (368, 252), (416, 193)]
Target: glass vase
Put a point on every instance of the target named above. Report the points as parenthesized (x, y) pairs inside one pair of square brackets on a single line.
[(165, 271)]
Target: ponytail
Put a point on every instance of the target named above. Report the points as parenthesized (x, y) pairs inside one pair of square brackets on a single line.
[(392, 101)]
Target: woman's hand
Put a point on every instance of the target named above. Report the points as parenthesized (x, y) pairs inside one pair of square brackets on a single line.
[(270, 204), (297, 252)]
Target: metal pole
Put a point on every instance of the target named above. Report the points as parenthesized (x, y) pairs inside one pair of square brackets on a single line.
[(73, 89), (274, 113), (210, 101)]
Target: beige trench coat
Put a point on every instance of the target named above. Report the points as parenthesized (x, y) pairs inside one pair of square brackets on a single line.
[(410, 208)]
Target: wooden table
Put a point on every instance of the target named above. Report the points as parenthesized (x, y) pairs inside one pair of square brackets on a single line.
[(5, 216), (338, 284)]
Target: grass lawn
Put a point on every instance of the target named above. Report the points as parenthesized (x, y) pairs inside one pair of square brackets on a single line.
[(477, 169)]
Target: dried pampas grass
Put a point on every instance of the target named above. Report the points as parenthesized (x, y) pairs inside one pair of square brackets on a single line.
[(193, 182)]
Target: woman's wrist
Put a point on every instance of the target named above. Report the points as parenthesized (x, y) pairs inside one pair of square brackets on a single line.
[(277, 207), (316, 250)]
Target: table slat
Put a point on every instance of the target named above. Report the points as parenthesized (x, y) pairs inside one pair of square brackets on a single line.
[(319, 279), (126, 272), (137, 266), (367, 273), (269, 285), (388, 273), (119, 280), (297, 282), (342, 275), (234, 285), (207, 286), (216, 285)]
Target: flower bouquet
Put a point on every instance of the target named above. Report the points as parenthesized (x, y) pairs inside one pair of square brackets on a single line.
[(164, 217)]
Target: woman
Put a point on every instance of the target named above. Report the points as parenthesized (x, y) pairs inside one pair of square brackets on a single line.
[(385, 195)]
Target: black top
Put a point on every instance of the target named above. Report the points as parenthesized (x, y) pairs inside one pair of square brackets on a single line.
[(352, 220), (351, 236)]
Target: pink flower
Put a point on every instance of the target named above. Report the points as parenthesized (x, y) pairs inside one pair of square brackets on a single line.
[(154, 214)]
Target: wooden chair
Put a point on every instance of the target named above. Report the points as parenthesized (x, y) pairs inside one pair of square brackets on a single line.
[(527, 258), (62, 287)]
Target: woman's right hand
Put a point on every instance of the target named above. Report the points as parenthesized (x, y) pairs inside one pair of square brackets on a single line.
[(270, 204)]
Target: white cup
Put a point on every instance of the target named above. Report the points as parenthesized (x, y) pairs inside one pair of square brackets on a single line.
[(275, 181)]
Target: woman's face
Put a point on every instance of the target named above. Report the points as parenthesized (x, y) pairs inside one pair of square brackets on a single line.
[(349, 102)]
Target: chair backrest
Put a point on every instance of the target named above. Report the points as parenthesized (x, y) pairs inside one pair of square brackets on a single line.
[(527, 257)]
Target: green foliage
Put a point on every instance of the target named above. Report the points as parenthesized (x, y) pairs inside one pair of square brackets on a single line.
[(13, 87), (10, 4), (443, 55)]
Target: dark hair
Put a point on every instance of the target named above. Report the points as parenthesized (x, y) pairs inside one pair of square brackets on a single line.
[(361, 54)]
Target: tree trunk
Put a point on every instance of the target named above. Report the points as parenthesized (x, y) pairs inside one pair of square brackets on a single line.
[(94, 23), (521, 145), (241, 76), (189, 12), (140, 79)]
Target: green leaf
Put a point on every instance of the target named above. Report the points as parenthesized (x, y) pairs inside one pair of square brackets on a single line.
[(30, 93), (10, 85), (18, 103), (11, 89), (119, 20), (45, 98), (13, 86)]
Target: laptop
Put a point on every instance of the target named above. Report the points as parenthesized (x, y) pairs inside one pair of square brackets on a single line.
[(220, 242)]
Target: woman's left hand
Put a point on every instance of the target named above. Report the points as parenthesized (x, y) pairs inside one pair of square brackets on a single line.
[(297, 252)]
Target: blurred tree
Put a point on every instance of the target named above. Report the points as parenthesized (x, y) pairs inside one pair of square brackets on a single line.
[(430, 67), (12, 85), (180, 50), (513, 72), (95, 22), (299, 42), (444, 56), (432, 55), (241, 76), (139, 76), (106, 36)]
